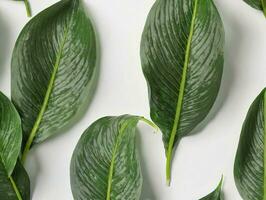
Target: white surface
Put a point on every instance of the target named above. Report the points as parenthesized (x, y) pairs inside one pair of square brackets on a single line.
[(201, 159)]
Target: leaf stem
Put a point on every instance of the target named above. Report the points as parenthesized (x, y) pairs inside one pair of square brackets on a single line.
[(28, 8), (15, 188), (180, 97), (149, 123)]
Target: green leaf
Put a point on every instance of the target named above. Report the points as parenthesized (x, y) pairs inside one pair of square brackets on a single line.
[(257, 4), (216, 194), (249, 170), (10, 135), (53, 70), (182, 54), (105, 163), (16, 187), (14, 181)]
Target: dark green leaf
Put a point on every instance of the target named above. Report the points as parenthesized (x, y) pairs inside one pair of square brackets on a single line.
[(10, 135), (216, 194), (14, 181), (53, 70), (257, 4), (16, 187), (249, 167), (105, 164), (182, 59)]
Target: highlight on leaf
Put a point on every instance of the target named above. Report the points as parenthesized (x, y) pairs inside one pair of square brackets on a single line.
[(182, 55), (105, 163)]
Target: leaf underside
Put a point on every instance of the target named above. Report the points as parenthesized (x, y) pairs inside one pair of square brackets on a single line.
[(182, 60), (216, 194), (105, 164), (53, 69), (249, 163)]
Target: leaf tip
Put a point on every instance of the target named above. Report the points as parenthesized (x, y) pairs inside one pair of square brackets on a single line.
[(221, 182)]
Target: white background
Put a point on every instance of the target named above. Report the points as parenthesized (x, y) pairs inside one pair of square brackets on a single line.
[(200, 159)]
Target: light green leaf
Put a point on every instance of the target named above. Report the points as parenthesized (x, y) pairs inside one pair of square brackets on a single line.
[(182, 52), (53, 70), (216, 194), (10, 134), (249, 170), (105, 164)]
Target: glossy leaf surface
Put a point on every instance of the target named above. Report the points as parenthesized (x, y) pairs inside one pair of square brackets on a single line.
[(249, 170), (182, 52), (216, 194), (10, 135), (53, 69), (105, 164)]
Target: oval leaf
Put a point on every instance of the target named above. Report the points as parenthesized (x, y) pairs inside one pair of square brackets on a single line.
[(182, 60), (10, 135), (216, 194), (249, 167), (15, 187), (53, 69), (105, 163)]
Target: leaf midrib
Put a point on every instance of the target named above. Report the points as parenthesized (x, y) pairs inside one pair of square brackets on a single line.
[(47, 96), (180, 95), (15, 188), (114, 153)]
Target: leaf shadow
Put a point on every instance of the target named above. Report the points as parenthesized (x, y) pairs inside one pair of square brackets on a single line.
[(147, 192), (232, 53), (4, 41)]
